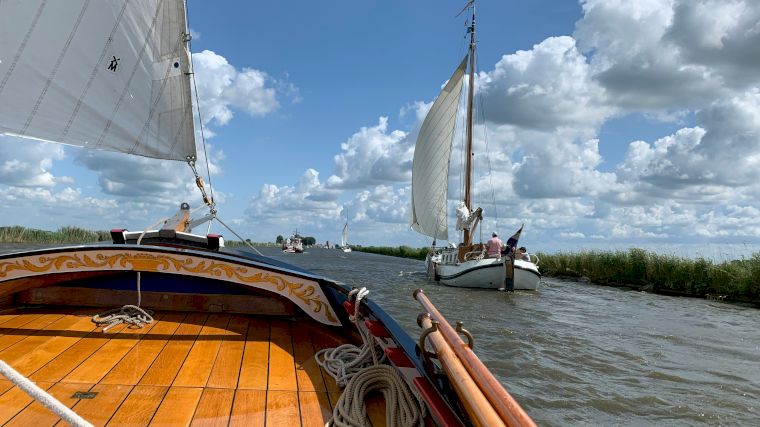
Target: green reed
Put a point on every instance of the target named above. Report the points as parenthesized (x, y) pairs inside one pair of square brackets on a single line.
[(19, 234), (738, 280), (401, 251)]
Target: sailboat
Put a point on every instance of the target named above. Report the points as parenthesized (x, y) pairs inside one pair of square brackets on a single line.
[(206, 334), (344, 239), (293, 244), (466, 265)]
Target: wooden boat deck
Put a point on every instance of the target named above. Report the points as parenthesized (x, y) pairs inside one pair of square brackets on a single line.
[(183, 369)]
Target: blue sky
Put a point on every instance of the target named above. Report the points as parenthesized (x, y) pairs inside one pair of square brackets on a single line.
[(609, 124)]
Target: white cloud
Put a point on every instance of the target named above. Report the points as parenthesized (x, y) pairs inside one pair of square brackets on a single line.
[(544, 88), (373, 156), (723, 151), (223, 88), (669, 54), (304, 204), (28, 163)]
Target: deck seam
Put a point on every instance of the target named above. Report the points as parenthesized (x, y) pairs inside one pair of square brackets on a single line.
[(158, 319)]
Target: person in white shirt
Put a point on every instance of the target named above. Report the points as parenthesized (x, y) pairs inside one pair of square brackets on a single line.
[(522, 254)]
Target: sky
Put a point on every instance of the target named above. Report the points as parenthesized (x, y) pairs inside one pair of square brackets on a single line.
[(603, 124)]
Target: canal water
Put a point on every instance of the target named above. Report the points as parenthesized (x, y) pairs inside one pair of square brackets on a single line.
[(573, 353)]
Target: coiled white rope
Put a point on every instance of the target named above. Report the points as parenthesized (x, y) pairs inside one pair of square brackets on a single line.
[(402, 405), (42, 396), (360, 371), (132, 315)]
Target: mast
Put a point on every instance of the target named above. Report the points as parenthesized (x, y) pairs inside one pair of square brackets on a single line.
[(468, 148)]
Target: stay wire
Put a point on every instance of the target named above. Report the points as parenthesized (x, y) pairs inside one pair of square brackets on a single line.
[(481, 114), (198, 103)]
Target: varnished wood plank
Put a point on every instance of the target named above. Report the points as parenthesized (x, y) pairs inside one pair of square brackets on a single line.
[(133, 366), (322, 340), (159, 301), (213, 408), (226, 369), (178, 407), (34, 351), (5, 385), (37, 415), (99, 364), (72, 357), (249, 409), (166, 365), (282, 408), (31, 328), (15, 400), (7, 315), (138, 408), (315, 408), (254, 368), (101, 408), (199, 362), (308, 372), (376, 410), (28, 362), (282, 372), (22, 318)]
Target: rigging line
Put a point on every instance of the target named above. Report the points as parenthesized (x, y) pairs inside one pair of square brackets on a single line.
[(238, 236), (481, 113), (198, 103)]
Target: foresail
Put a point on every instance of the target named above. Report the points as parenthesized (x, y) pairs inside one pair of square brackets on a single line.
[(103, 74), (430, 168), (344, 236)]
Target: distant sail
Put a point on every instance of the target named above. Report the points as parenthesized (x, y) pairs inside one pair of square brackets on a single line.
[(344, 236), (430, 168), (103, 74)]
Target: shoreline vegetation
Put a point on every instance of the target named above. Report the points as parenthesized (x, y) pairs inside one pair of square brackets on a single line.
[(637, 269), (74, 235), (734, 280)]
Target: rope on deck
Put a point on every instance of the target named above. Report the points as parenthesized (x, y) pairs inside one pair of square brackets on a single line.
[(42, 396), (360, 371), (132, 315)]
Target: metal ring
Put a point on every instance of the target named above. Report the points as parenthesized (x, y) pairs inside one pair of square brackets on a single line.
[(424, 335), (461, 330)]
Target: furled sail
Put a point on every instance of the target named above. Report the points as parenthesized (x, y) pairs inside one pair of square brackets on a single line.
[(344, 235), (430, 168), (104, 74)]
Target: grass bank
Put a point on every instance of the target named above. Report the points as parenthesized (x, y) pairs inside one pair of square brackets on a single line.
[(72, 235), (19, 234), (736, 280), (401, 251)]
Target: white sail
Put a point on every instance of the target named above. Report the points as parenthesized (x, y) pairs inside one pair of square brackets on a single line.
[(344, 236), (104, 74), (430, 168)]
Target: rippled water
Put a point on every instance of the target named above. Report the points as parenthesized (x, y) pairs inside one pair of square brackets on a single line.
[(581, 354), (573, 353)]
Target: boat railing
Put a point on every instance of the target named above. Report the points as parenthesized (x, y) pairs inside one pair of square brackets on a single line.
[(484, 398), (475, 255)]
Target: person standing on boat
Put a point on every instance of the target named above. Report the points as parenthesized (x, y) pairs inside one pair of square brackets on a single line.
[(493, 246)]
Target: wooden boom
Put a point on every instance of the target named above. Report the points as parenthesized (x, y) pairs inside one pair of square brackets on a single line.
[(510, 412)]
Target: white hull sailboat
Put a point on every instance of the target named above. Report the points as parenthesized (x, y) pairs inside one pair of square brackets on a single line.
[(217, 335), (467, 264), (344, 239)]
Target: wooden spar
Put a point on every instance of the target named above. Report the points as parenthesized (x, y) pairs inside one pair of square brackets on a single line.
[(476, 404), (509, 410), (468, 149)]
